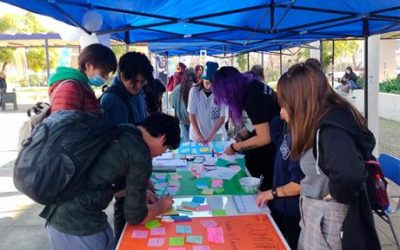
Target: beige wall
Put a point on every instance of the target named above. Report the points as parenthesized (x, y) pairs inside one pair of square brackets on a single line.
[(387, 60)]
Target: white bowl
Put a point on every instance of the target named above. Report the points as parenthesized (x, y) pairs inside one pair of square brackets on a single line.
[(249, 184)]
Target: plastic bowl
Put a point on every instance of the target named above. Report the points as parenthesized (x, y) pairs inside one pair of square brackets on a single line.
[(249, 184)]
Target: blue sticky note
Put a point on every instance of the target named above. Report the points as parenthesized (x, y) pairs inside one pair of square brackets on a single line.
[(183, 229), (181, 218), (198, 199)]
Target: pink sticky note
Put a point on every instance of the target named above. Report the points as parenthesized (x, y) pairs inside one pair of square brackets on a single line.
[(139, 234), (202, 208), (216, 183), (235, 167), (177, 248), (209, 223), (157, 231), (201, 248), (215, 234), (155, 242)]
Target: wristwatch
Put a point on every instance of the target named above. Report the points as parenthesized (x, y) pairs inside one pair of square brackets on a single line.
[(274, 193)]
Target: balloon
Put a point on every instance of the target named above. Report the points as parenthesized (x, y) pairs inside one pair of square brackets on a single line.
[(70, 34), (92, 20), (87, 40), (105, 40)]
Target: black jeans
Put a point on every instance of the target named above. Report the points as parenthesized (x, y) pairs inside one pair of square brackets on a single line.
[(289, 227), (260, 161)]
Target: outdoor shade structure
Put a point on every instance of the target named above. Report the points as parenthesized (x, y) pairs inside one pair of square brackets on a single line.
[(242, 23), (226, 26)]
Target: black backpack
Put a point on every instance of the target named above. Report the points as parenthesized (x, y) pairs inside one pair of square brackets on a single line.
[(53, 163)]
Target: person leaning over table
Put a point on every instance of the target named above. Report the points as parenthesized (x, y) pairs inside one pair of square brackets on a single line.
[(332, 141), (283, 198), (247, 97), (124, 102), (81, 223)]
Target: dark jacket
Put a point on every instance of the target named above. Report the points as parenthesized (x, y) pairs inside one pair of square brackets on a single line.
[(343, 148), (120, 106), (127, 159)]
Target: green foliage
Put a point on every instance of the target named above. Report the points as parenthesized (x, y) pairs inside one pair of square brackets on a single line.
[(242, 62), (36, 58), (390, 86), (346, 48), (119, 50)]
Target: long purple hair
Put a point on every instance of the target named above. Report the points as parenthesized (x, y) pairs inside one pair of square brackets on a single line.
[(229, 87)]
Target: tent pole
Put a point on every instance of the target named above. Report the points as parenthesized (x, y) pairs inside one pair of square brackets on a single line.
[(248, 61), (46, 42), (262, 59), (167, 69), (280, 60), (321, 56), (365, 28), (333, 62)]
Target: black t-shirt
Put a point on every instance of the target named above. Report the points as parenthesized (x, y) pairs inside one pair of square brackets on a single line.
[(260, 103)]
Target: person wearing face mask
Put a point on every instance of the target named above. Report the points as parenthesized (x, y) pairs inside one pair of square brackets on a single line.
[(69, 88), (124, 101), (206, 118)]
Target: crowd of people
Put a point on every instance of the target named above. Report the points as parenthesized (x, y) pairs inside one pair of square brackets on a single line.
[(305, 142)]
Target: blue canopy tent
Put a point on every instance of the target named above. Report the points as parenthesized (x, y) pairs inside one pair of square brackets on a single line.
[(244, 23), (236, 23)]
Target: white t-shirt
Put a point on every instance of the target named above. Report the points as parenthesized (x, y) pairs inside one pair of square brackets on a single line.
[(206, 112)]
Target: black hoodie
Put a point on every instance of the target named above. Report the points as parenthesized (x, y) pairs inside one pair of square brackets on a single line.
[(343, 148)]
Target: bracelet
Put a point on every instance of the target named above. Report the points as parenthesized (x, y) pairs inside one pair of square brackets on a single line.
[(233, 148), (274, 193)]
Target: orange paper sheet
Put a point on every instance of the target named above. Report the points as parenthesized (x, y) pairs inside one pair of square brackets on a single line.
[(239, 232)]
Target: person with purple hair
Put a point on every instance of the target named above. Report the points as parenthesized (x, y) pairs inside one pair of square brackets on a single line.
[(248, 97)]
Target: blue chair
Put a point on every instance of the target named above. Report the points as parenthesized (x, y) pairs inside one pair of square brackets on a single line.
[(391, 169)]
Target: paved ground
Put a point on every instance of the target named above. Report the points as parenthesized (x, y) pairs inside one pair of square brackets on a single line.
[(22, 229)]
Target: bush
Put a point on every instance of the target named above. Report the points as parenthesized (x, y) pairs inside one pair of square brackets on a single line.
[(390, 86)]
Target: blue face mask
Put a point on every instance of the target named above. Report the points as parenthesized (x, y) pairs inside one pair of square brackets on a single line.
[(96, 80)]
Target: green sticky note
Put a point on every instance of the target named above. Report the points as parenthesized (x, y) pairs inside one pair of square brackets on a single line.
[(219, 212), (152, 224), (197, 239), (207, 191), (176, 241)]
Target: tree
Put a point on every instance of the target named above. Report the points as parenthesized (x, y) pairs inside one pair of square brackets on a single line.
[(36, 58), (119, 50), (241, 60), (346, 48)]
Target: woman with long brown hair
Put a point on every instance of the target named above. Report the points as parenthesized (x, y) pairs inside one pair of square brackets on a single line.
[(179, 101), (332, 141)]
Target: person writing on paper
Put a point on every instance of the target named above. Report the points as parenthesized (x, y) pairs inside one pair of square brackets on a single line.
[(248, 97), (206, 117), (332, 141), (81, 223), (283, 198)]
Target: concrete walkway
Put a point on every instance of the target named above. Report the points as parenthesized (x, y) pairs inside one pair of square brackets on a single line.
[(22, 229)]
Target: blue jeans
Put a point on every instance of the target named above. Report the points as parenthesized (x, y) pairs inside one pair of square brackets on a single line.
[(103, 240), (184, 132)]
